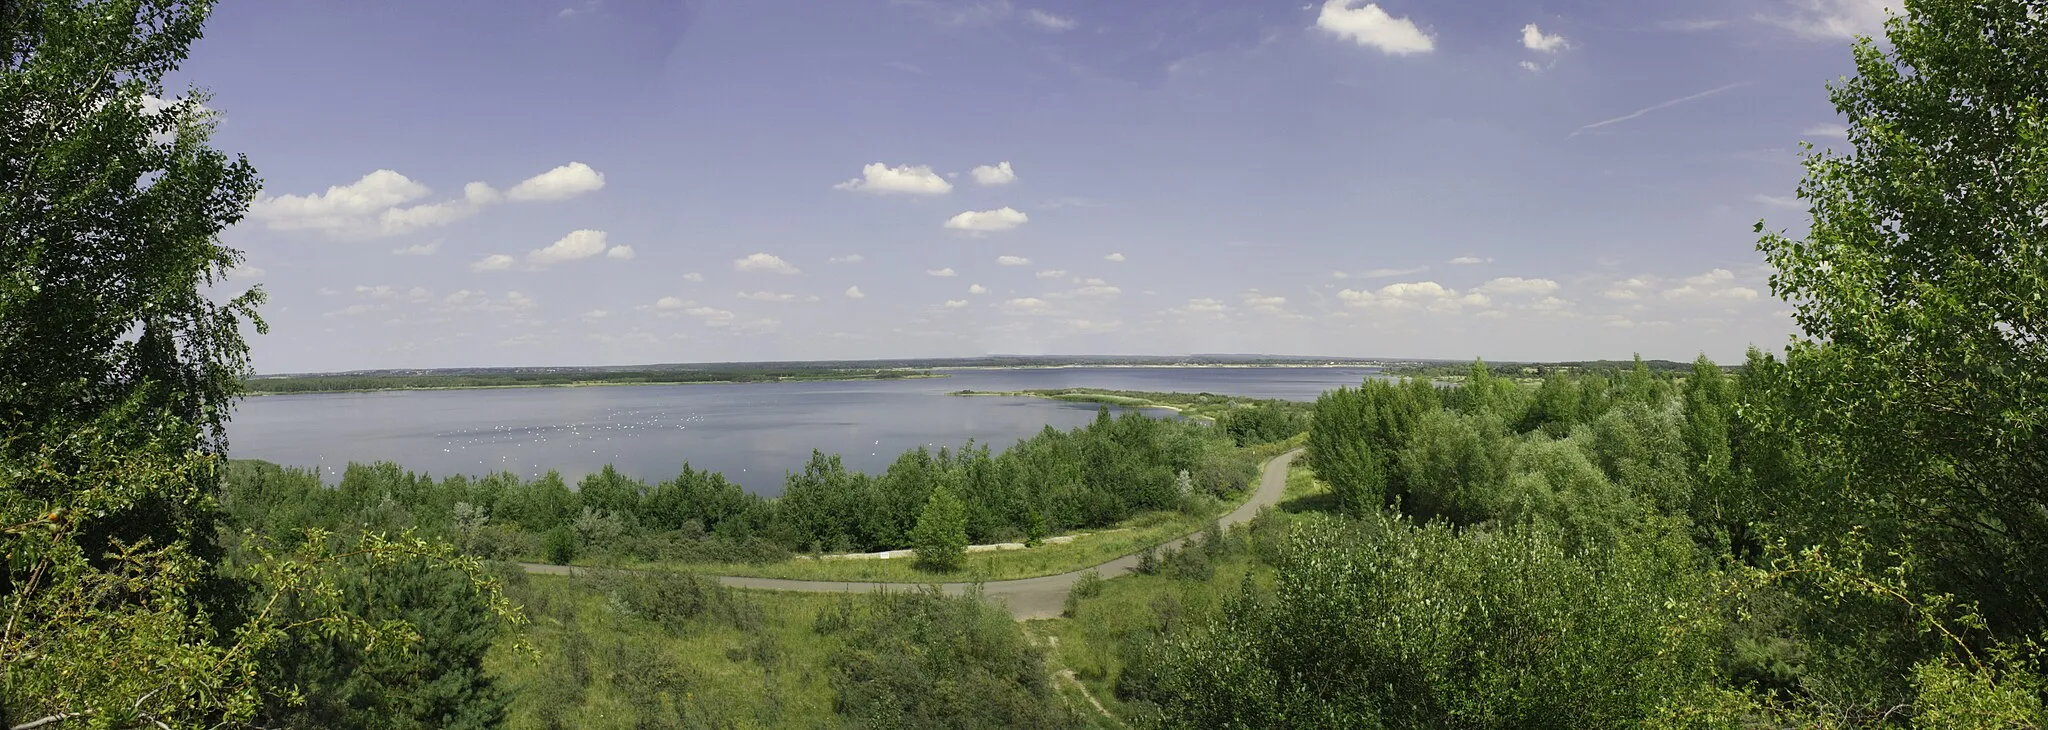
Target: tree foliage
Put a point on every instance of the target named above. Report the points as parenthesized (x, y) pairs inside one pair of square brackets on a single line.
[(1922, 287)]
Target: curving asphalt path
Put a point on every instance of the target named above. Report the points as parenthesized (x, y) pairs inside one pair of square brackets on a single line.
[(1028, 598)]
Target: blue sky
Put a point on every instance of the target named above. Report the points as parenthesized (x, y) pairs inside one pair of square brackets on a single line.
[(582, 182)]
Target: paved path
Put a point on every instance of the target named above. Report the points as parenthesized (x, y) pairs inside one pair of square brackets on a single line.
[(1028, 598)]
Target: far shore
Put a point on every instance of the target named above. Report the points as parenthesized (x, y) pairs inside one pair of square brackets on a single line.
[(592, 384)]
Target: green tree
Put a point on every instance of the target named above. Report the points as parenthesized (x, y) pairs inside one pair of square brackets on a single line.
[(1922, 289), (940, 537)]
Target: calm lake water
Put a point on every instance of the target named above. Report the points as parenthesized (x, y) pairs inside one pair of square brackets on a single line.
[(754, 433)]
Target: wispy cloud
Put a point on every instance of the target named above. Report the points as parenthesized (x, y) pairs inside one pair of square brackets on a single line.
[(1664, 105)]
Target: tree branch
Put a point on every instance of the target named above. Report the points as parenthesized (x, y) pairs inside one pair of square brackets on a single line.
[(51, 720)]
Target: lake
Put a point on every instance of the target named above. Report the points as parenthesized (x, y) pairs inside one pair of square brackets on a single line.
[(754, 433)]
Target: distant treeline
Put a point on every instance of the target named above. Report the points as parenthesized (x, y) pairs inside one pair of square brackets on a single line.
[(1248, 421), (1088, 477), (1540, 369), (567, 376)]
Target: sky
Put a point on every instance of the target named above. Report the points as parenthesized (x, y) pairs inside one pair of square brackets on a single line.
[(616, 182)]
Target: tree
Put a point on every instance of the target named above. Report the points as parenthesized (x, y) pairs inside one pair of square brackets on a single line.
[(1922, 290), (941, 533)]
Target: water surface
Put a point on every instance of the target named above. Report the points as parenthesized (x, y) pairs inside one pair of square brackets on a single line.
[(753, 432)]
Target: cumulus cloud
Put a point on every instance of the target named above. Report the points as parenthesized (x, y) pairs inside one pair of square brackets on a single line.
[(376, 204), (948, 271), (670, 303), (561, 183), (417, 249), (711, 315), (619, 252), (694, 277), (1378, 273), (1013, 261), (1373, 27), (1534, 40), (977, 289), (1414, 295), (1470, 260), (988, 221), (1518, 285), (881, 179), (1048, 21), (854, 292), (1115, 257), (998, 174), (955, 303), (245, 271), (342, 207), (1833, 19), (1026, 305), (847, 259), (493, 262), (1052, 274), (1716, 284), (579, 244), (1531, 67), (763, 263), (1204, 306), (768, 296)]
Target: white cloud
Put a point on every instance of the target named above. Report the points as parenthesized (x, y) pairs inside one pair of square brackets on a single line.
[(1091, 326), (977, 289), (1115, 257), (1691, 25), (1834, 19), (1205, 305), (619, 252), (854, 292), (983, 221), (955, 303), (1048, 21), (478, 193), (948, 271), (694, 277), (395, 221), (561, 183), (1013, 261), (711, 315), (670, 303), (417, 249), (1378, 273), (1778, 201), (1531, 67), (1371, 26), (768, 296), (245, 271), (1025, 305), (1470, 260), (596, 314), (880, 178), (579, 244), (1534, 40), (1518, 285), (1052, 274), (493, 262), (1412, 295), (1716, 284), (765, 264), (999, 174), (342, 207), (847, 259), (1835, 131)]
